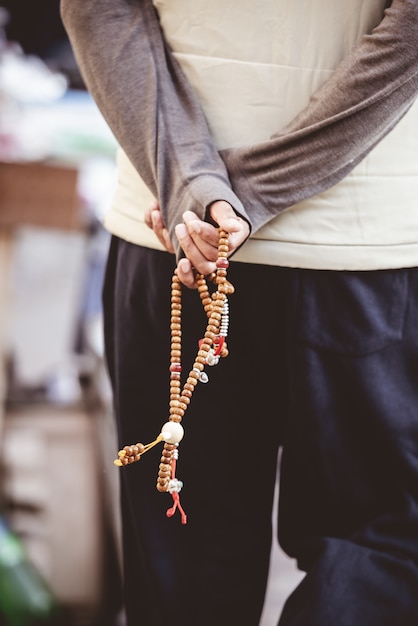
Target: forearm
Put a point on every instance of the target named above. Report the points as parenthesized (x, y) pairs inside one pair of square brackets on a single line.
[(148, 104), (367, 95)]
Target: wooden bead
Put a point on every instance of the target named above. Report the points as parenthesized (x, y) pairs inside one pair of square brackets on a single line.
[(213, 302)]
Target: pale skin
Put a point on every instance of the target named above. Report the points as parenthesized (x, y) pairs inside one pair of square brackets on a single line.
[(199, 239)]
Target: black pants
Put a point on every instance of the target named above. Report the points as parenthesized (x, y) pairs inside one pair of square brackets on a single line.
[(322, 363)]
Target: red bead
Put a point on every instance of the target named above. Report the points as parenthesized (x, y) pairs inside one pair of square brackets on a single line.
[(175, 367), (222, 263)]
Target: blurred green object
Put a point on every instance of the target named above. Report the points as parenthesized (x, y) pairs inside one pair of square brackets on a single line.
[(25, 599)]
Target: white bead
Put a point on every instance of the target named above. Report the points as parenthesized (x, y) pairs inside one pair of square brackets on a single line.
[(172, 432), (211, 359)]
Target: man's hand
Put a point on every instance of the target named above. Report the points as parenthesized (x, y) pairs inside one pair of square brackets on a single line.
[(199, 239)]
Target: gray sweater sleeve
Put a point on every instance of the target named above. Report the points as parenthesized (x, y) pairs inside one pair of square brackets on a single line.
[(148, 104), (363, 100)]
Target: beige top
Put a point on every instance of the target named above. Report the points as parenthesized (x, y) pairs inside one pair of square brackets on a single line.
[(253, 72)]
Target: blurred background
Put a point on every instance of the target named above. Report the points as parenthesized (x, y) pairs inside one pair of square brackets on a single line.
[(59, 554), (59, 522)]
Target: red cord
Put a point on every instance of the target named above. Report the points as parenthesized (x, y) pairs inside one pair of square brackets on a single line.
[(172, 510), (176, 497)]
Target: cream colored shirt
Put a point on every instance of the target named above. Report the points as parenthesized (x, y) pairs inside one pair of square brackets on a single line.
[(336, 187)]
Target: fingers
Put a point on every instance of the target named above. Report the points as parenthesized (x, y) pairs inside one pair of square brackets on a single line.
[(205, 236), (199, 239), (202, 240), (190, 246), (224, 215), (154, 206), (186, 273), (154, 220)]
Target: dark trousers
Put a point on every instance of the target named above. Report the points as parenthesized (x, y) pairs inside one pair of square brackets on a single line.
[(322, 363)]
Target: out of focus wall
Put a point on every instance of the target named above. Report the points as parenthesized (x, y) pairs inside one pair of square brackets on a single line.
[(58, 488)]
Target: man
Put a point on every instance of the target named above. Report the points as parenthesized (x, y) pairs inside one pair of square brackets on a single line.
[(297, 122)]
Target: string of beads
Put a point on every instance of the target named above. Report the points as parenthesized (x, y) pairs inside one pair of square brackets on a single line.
[(211, 348)]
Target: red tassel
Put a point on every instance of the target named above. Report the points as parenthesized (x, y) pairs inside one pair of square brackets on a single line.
[(175, 494), (177, 505), (219, 345)]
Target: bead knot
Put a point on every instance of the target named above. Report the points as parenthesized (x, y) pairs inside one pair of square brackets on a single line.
[(175, 485)]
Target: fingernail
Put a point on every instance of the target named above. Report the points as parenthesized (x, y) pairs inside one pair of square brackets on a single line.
[(185, 265), (181, 231)]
